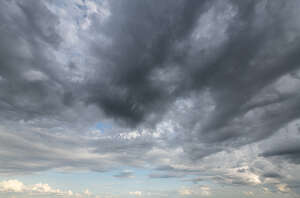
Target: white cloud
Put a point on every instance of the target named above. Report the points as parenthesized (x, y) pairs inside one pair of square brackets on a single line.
[(136, 193), (45, 188), (34, 75), (205, 191), (15, 186), (249, 193), (202, 190), (283, 188), (266, 190), (12, 186), (93, 8), (87, 192), (185, 191), (70, 193)]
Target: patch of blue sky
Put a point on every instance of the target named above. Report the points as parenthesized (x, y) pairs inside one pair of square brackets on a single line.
[(102, 182), (103, 126)]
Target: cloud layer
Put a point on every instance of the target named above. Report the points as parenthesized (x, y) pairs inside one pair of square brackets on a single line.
[(207, 89)]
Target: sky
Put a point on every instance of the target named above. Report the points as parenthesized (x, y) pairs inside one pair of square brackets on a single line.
[(149, 99)]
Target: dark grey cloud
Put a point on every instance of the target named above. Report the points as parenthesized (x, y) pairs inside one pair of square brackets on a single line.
[(178, 82), (166, 64), (154, 58), (126, 90), (289, 151), (30, 85), (165, 175), (171, 172), (125, 174), (271, 175)]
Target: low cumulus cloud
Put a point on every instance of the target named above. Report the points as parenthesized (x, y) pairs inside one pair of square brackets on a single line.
[(15, 186), (198, 191)]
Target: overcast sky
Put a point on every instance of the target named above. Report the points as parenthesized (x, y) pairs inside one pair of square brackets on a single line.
[(148, 98)]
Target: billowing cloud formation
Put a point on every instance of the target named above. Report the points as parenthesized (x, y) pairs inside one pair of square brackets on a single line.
[(178, 87), (17, 188)]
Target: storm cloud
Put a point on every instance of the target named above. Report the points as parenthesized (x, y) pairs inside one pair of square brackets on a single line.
[(177, 84)]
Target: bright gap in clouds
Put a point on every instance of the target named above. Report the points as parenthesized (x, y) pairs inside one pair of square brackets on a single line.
[(149, 99)]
